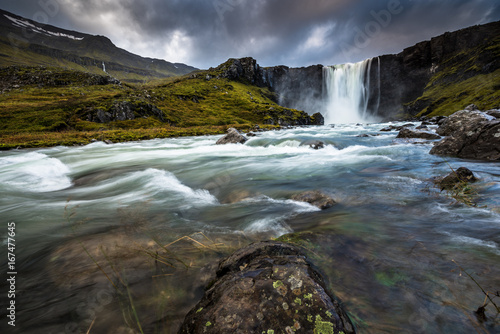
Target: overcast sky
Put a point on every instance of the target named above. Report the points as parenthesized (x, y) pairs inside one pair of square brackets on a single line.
[(205, 33)]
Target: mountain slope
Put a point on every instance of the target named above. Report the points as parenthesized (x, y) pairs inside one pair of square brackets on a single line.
[(26, 42), (41, 106)]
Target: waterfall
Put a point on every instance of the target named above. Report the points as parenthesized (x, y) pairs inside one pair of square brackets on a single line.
[(347, 90), (104, 67)]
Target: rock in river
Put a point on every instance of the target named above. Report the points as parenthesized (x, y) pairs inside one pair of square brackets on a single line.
[(267, 287), (471, 135), (233, 136), (407, 133), (461, 175), (314, 144), (316, 198)]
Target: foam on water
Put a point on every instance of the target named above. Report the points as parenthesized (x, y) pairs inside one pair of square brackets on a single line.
[(166, 181), (34, 172), (274, 225), (491, 245), (297, 207), (147, 184)]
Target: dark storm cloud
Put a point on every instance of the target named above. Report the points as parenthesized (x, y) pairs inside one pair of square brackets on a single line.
[(291, 32)]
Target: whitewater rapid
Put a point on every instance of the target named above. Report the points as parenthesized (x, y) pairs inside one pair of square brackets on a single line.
[(395, 233)]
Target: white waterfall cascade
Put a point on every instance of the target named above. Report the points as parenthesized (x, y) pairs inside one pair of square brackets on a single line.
[(347, 93)]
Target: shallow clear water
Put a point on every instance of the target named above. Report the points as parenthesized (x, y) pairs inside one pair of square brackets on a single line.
[(88, 216)]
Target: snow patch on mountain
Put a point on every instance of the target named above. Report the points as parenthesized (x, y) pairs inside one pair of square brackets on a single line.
[(25, 24)]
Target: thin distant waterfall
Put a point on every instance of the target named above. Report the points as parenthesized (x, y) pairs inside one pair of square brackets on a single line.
[(347, 89)]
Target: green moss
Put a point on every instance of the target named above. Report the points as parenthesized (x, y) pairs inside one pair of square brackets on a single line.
[(277, 284), (308, 296), (299, 239), (389, 278), (322, 327), (298, 301), (208, 324)]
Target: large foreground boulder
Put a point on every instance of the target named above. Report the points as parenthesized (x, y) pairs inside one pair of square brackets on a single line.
[(233, 136), (471, 135), (267, 287)]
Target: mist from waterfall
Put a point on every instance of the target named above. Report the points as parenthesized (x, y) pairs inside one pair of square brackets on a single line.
[(347, 93)]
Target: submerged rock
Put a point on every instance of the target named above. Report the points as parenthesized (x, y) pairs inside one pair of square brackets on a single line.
[(316, 198), (233, 137), (407, 133), (267, 287), (396, 127), (461, 175), (314, 144), (471, 135)]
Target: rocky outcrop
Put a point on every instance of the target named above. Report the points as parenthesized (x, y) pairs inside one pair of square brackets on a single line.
[(297, 88), (462, 175), (41, 76), (317, 119), (243, 69), (289, 117), (407, 133), (267, 287), (123, 111), (233, 136), (316, 198), (471, 135), (462, 121)]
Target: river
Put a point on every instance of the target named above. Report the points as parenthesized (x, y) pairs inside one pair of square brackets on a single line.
[(123, 238)]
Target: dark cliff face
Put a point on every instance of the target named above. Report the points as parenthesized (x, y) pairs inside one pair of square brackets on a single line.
[(400, 83), (453, 57), (297, 88)]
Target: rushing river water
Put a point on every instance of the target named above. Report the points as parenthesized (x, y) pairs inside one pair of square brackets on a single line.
[(99, 228)]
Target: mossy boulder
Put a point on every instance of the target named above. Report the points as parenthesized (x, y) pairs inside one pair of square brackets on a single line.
[(268, 287), (462, 175)]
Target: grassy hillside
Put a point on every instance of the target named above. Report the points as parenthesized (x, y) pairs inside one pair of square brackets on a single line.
[(28, 43), (42, 106)]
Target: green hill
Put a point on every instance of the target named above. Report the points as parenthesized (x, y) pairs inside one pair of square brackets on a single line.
[(41, 106), (28, 43)]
